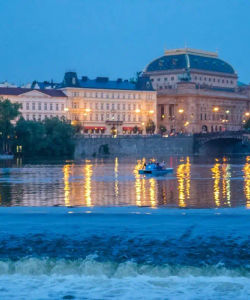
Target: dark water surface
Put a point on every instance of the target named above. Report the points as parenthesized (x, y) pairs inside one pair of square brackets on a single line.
[(115, 234), (195, 183)]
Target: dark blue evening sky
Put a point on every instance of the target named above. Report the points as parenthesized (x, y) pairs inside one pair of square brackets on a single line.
[(41, 39)]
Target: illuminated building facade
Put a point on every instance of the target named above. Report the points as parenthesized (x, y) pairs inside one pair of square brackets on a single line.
[(197, 92), (37, 104), (101, 106)]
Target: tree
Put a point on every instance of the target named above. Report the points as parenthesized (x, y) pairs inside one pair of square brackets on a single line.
[(8, 112), (30, 135), (59, 137), (50, 138), (135, 129), (150, 126), (163, 129)]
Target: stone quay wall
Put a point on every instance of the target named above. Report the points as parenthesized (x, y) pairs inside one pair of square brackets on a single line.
[(133, 146)]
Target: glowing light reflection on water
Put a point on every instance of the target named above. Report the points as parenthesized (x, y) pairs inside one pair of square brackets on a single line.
[(195, 182)]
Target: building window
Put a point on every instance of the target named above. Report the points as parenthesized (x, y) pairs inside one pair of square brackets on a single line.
[(113, 106), (90, 117), (171, 110), (27, 106), (201, 117), (51, 106), (166, 79), (33, 106), (102, 117), (129, 106), (124, 106), (134, 106), (129, 118), (118, 117), (34, 117), (118, 106), (62, 107), (96, 117), (172, 78), (27, 117), (107, 116), (39, 117), (134, 118), (45, 106), (124, 117), (39, 106), (96, 106), (107, 106), (158, 79), (57, 108)]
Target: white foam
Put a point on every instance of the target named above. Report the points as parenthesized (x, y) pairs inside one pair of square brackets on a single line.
[(34, 278)]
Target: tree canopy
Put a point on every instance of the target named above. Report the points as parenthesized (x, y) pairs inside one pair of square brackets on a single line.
[(51, 137), (150, 126), (8, 112)]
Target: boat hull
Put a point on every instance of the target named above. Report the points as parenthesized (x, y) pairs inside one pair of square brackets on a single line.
[(156, 172)]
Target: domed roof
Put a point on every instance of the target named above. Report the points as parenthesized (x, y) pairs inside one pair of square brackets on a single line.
[(182, 59)]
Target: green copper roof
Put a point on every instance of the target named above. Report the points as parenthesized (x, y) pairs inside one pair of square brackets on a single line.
[(189, 61)]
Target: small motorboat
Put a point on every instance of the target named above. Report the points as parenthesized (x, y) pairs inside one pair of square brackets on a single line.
[(155, 170)]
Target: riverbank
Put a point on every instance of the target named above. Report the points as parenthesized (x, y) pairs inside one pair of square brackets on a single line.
[(132, 146)]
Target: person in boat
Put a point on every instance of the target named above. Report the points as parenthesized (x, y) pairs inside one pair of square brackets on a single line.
[(162, 165)]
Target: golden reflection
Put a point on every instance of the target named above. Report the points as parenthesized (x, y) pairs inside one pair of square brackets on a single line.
[(88, 172), (116, 180), (66, 172), (139, 182), (183, 174), (246, 171), (226, 186), (216, 176), (152, 191), (222, 182)]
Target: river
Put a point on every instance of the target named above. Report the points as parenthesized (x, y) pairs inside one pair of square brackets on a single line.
[(96, 229)]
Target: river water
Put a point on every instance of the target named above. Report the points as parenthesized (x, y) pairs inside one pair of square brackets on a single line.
[(96, 229)]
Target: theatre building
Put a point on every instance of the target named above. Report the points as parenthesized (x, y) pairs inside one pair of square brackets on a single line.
[(102, 106), (197, 92)]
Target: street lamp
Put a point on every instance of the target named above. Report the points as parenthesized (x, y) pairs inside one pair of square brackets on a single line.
[(181, 110), (216, 108)]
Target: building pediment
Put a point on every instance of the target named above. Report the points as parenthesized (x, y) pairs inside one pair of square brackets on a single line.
[(35, 93)]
